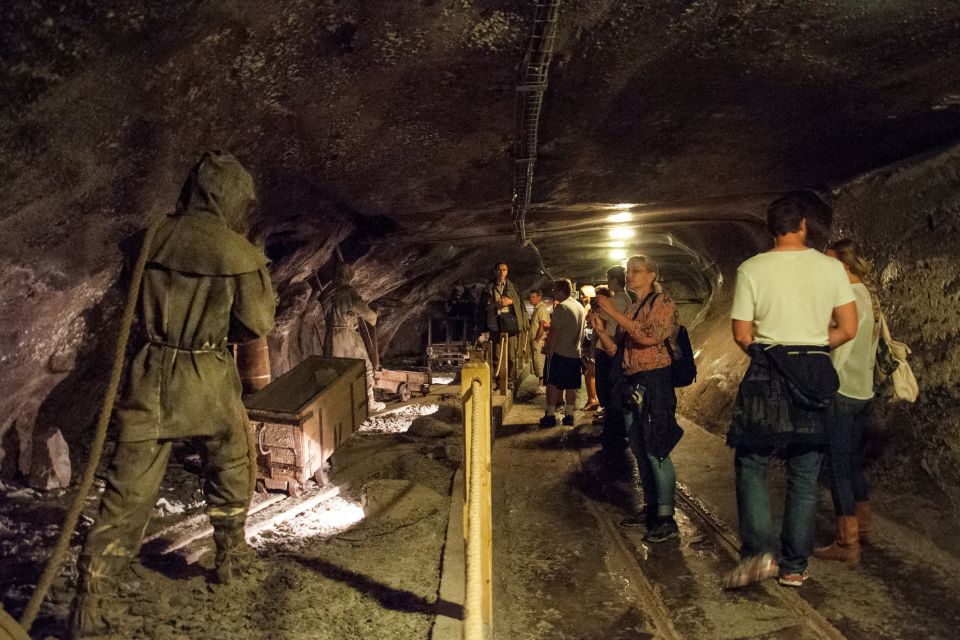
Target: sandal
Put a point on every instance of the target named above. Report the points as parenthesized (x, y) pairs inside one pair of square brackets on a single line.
[(591, 406), (751, 570)]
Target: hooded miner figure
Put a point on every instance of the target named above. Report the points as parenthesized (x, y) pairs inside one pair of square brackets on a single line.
[(344, 308), (204, 286)]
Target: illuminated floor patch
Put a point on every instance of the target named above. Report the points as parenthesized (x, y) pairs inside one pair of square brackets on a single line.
[(397, 421), (334, 516)]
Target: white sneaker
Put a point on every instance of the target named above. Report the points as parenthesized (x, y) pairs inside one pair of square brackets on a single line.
[(376, 406)]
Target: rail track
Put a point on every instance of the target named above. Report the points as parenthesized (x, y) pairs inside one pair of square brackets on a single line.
[(651, 594), (728, 542)]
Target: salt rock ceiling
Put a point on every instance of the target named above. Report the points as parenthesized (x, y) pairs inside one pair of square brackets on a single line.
[(396, 117), (386, 127)]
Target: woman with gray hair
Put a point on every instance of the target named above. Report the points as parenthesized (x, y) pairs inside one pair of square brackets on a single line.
[(642, 370)]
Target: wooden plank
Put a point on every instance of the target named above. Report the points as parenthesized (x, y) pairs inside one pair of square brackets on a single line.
[(194, 543), (281, 417), (291, 508), (179, 535)]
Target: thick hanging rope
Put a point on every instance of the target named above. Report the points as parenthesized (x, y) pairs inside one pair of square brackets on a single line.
[(55, 563), (251, 459), (504, 345)]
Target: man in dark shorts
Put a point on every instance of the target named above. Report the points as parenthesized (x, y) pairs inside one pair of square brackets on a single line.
[(562, 374)]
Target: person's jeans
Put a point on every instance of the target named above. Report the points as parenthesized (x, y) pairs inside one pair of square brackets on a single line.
[(658, 479), (849, 421), (603, 373), (753, 503)]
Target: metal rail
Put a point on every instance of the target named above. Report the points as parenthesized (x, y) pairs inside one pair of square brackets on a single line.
[(819, 625), (729, 544), (530, 89), (653, 603)]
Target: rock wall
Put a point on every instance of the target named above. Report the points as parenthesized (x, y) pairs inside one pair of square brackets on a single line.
[(106, 105), (720, 363)]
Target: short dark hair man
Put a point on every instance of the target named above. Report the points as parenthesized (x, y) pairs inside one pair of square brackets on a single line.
[(504, 317), (783, 305), (562, 349)]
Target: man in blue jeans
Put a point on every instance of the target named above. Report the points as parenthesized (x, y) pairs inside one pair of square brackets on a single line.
[(791, 305)]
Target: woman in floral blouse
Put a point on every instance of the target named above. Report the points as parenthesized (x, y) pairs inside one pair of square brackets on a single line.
[(646, 391)]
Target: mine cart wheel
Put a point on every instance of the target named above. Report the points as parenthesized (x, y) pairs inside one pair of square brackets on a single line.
[(261, 486), (424, 390), (320, 477), (404, 391)]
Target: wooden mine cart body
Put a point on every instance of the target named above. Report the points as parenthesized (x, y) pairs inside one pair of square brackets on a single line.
[(300, 418), (447, 340), (402, 383)]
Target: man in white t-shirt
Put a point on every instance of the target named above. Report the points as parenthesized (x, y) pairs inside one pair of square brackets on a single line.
[(562, 375), (539, 321), (791, 305)]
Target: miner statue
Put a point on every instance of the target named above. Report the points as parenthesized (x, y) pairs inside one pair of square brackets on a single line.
[(204, 286), (344, 309)]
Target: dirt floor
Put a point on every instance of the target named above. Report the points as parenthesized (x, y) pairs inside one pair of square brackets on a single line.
[(622, 587), (365, 564)]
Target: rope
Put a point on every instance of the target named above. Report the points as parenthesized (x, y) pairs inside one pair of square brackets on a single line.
[(251, 460), (504, 338), (54, 564), (473, 600)]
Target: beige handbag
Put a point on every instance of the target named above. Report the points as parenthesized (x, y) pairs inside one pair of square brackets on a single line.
[(900, 384)]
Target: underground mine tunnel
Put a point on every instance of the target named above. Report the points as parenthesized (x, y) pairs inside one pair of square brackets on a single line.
[(422, 143)]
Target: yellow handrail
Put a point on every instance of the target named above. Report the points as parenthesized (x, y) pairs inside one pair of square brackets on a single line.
[(478, 529)]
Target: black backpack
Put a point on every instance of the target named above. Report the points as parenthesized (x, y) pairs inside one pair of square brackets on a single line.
[(683, 368)]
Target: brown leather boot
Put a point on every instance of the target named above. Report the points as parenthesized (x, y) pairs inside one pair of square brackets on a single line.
[(846, 548), (865, 520)]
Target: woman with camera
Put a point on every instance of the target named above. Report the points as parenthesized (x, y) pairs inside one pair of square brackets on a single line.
[(643, 381)]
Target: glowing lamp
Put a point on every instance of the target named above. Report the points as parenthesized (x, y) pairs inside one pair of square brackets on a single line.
[(623, 216), (619, 233), (618, 254)]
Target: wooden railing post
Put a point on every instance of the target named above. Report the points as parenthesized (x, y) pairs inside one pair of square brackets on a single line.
[(478, 505)]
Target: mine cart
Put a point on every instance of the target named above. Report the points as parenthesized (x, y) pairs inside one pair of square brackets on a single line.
[(402, 383), (300, 418), (447, 340)]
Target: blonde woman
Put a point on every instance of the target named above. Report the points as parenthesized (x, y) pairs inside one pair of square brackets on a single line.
[(850, 413), (646, 391)]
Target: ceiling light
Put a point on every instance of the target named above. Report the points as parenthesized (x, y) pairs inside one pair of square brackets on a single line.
[(621, 232), (618, 254), (623, 216), (624, 205)]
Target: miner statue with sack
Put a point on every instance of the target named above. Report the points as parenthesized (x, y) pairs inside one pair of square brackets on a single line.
[(344, 310)]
